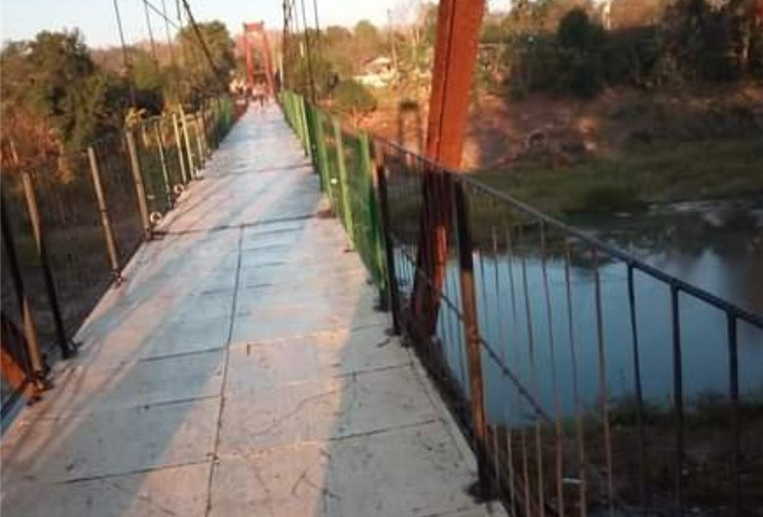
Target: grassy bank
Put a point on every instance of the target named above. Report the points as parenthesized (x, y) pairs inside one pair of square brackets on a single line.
[(685, 171)]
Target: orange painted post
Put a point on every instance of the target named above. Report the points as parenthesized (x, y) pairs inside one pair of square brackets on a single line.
[(458, 28)]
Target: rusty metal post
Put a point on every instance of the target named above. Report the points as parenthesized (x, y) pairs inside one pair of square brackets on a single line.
[(458, 26), (39, 239), (108, 233), (163, 161), (139, 188), (471, 333), (389, 245), (38, 368), (179, 145)]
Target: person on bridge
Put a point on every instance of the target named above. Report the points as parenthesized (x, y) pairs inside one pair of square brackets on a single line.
[(259, 94)]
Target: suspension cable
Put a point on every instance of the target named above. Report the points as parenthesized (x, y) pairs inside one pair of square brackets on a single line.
[(204, 46), (151, 34), (128, 64), (167, 30)]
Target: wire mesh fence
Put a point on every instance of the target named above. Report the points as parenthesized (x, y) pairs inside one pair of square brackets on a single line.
[(71, 222), (589, 382)]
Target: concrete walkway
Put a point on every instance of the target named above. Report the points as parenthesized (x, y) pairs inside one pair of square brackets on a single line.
[(240, 370)]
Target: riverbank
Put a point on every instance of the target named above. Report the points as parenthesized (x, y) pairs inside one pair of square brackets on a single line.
[(689, 171)]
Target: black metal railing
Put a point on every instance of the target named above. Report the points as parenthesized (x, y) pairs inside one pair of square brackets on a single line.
[(589, 382)]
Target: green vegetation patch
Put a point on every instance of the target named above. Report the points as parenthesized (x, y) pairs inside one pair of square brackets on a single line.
[(657, 173)]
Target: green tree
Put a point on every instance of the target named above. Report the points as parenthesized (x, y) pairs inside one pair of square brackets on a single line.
[(354, 99), (202, 78), (317, 73), (367, 42), (53, 90), (581, 46)]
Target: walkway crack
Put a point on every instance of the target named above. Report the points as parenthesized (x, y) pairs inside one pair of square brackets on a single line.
[(234, 304)]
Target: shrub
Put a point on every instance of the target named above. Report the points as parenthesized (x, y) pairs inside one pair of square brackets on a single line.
[(580, 44), (577, 31), (352, 97)]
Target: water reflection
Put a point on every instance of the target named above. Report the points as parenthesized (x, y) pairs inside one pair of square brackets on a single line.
[(718, 247)]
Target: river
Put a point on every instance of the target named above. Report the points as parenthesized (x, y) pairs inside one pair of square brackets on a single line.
[(717, 246)]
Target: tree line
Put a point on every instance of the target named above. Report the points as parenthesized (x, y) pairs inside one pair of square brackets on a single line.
[(58, 95), (579, 47)]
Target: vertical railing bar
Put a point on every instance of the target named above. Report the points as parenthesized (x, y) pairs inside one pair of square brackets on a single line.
[(450, 285), (37, 369), (554, 377), (343, 185), (575, 387), (163, 162), (736, 420), (108, 232), (192, 173), (534, 382), (389, 253), (66, 347), (526, 473), (512, 397), (678, 395), (502, 341), (469, 313), (502, 335), (483, 287), (179, 145), (199, 144), (639, 391), (450, 282), (140, 190), (603, 391)]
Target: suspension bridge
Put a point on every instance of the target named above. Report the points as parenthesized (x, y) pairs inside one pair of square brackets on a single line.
[(266, 311)]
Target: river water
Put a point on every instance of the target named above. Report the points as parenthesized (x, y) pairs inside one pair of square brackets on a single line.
[(716, 246)]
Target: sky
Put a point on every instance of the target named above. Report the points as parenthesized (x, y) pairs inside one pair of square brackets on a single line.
[(22, 19)]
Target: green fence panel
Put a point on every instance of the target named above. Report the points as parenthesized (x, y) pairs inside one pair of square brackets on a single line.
[(343, 161)]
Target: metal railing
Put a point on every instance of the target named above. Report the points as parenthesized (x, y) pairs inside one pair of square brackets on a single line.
[(589, 382), (72, 221)]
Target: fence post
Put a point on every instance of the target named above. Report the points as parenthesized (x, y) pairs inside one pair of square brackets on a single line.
[(111, 245), (179, 146), (471, 329), (387, 243), (163, 161), (201, 125), (39, 240), (303, 124), (199, 145), (184, 122), (344, 188), (37, 367), (139, 188), (320, 151), (367, 169)]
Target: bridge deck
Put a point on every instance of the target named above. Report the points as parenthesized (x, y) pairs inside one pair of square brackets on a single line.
[(240, 370)]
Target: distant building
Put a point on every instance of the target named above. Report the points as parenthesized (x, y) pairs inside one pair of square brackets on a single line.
[(377, 72)]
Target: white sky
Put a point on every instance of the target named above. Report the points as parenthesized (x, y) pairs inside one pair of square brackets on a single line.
[(22, 19)]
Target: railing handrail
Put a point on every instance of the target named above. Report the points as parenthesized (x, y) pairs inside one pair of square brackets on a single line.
[(464, 177)]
